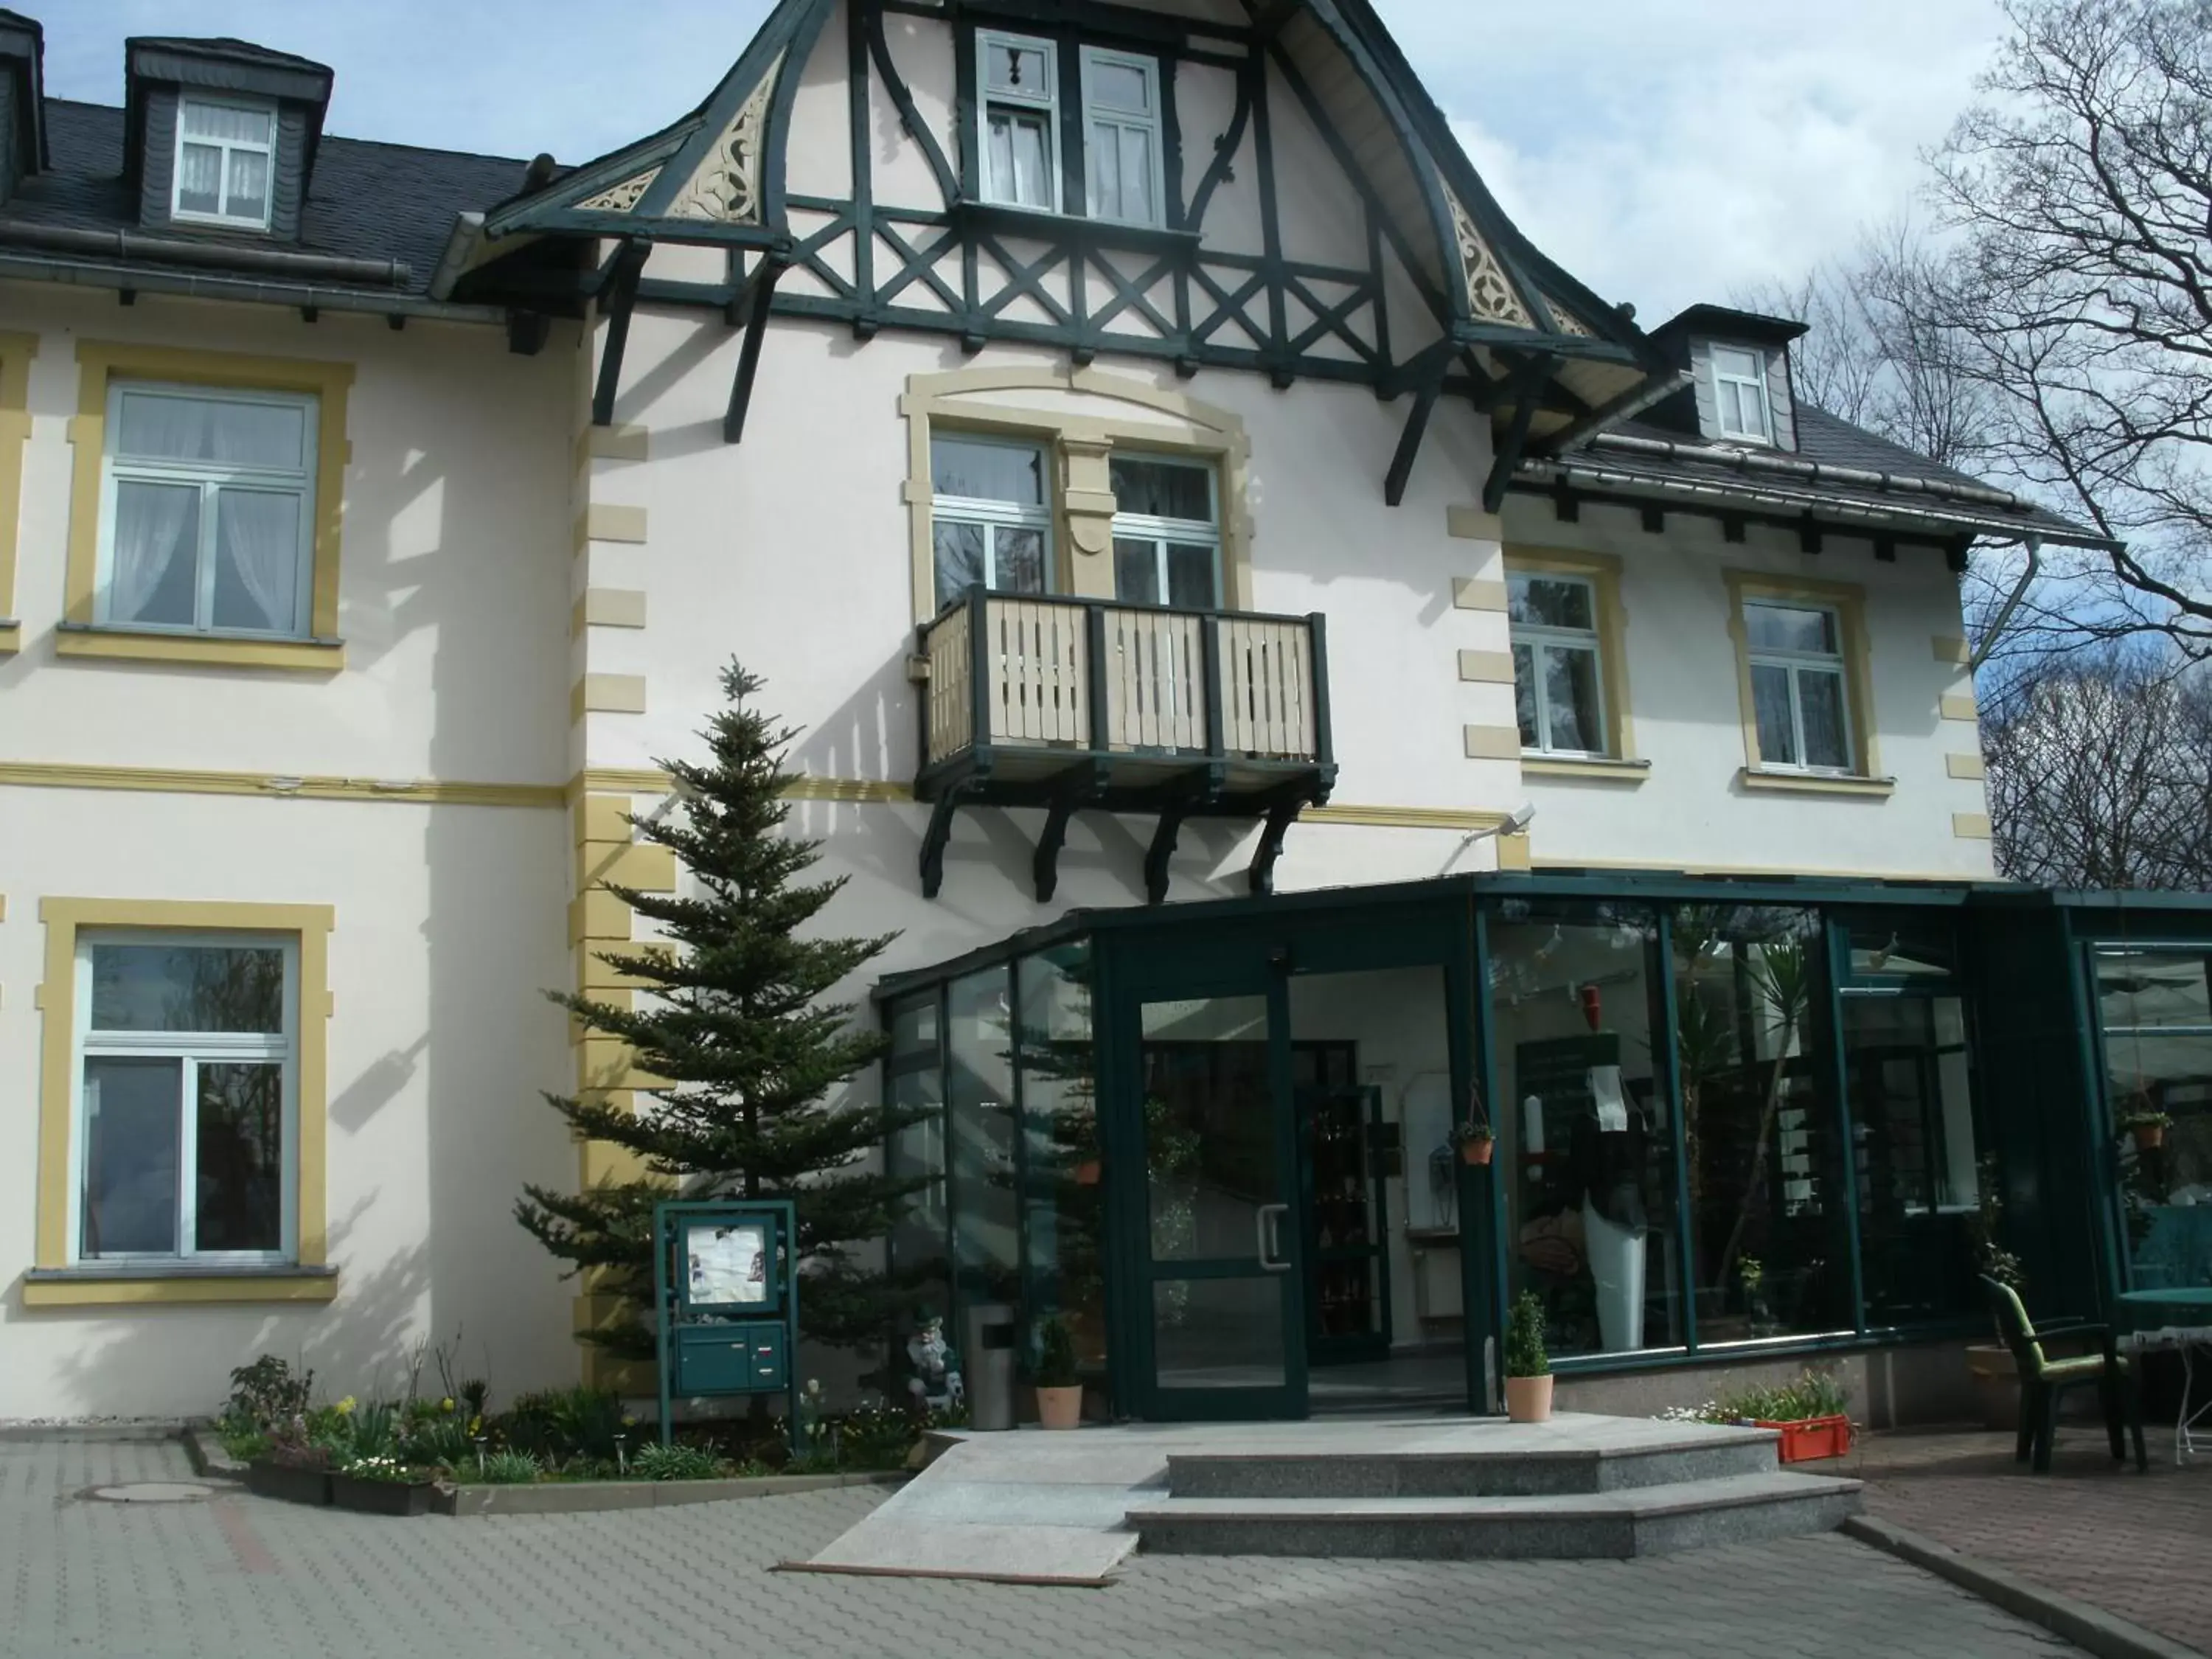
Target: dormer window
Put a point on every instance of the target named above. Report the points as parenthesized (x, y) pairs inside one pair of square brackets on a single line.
[(224, 163), (1021, 121), (1739, 394)]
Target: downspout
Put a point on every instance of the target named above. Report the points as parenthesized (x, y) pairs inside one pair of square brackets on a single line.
[(1994, 631)]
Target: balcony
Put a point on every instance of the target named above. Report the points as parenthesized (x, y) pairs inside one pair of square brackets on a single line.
[(1071, 703)]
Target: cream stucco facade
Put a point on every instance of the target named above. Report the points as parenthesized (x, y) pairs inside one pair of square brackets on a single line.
[(531, 607)]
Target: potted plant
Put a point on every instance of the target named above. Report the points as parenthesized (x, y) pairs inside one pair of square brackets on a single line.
[(1996, 1377), (1059, 1389), (382, 1484), (1473, 1134), (2146, 1123), (1810, 1415), (1528, 1366), (294, 1469)]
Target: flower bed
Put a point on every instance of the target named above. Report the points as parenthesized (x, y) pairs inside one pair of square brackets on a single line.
[(1810, 1415)]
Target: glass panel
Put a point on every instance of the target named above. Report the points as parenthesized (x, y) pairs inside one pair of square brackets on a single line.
[(1912, 1132), (1032, 143), (1585, 1130), (1549, 602), (1370, 1081), (1730, 406), (131, 1124), (1524, 695), (157, 426), (1063, 1205), (980, 1127), (1218, 1333), (240, 1202), (1735, 364), (1105, 172), (1162, 489), (153, 573), (1571, 692), (1121, 87), (919, 1241), (2156, 1006), (1209, 1135), (1020, 68), (1137, 570), (187, 987), (913, 1027), (1190, 576), (1135, 206), (984, 471), (1770, 702), (1768, 1244), (1789, 628), (248, 196), (1821, 695), (257, 560), (1017, 559), (1902, 947), (960, 555), (225, 121), (199, 178)]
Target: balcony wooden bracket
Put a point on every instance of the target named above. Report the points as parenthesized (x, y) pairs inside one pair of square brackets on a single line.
[(1281, 815), (1526, 393), (1084, 786), (616, 300), (1196, 797), (749, 311), (940, 833)]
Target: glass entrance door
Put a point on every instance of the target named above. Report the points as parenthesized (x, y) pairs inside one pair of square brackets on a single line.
[(1221, 1292)]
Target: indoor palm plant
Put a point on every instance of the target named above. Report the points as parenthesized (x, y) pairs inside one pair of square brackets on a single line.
[(1527, 1365), (1059, 1389)]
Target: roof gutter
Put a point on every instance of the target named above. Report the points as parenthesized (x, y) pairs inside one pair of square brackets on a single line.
[(1811, 472), (1626, 407), (458, 256), (36, 268), (167, 250)]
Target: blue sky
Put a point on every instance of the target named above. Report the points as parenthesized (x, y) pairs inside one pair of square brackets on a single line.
[(1665, 151)]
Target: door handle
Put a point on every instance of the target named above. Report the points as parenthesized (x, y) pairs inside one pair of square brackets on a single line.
[(1270, 1224)]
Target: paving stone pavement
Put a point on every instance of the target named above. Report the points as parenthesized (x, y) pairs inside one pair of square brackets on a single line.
[(2139, 1546), (246, 1579)]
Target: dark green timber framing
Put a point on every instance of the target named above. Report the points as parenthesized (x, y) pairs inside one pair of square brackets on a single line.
[(2024, 972), (1199, 307)]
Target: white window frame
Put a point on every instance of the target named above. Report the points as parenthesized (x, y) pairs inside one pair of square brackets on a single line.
[(994, 516), (1047, 102), (212, 478), (1796, 663), (192, 1048), (1750, 385), (1541, 636), (227, 147), (1118, 121), (1187, 533)]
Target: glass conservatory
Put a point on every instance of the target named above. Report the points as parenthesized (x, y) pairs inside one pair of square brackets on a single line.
[(1226, 1143)]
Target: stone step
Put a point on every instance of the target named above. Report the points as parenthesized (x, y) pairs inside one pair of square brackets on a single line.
[(1616, 1525), (1513, 1468)]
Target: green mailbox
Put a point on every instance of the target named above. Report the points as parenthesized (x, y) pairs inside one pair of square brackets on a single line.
[(726, 1281)]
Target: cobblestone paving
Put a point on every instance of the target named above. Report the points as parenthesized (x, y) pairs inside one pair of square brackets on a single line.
[(246, 1579), (2139, 1546)]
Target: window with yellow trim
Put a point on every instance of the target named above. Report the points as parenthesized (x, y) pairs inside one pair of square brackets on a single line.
[(188, 1070), (1568, 638), (1804, 681)]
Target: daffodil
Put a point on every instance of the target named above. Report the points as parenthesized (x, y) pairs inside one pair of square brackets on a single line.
[(345, 1407), (447, 1404)]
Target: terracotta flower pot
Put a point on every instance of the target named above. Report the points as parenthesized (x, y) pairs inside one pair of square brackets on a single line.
[(2149, 1136), (1528, 1399), (1476, 1151), (1060, 1408), (1088, 1172)]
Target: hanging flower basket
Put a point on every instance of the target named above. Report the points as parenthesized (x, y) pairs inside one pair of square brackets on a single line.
[(1088, 1172), (1477, 1152), (2149, 1136)]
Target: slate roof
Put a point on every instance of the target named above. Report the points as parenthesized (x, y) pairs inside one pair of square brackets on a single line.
[(365, 200), (229, 46), (1839, 471)]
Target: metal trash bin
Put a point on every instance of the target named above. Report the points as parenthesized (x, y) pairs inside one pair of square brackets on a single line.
[(988, 1357)]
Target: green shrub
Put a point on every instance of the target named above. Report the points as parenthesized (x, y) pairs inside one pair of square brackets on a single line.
[(245, 1444), (373, 1430), (1055, 1362), (872, 1437), (442, 1440), (506, 1468), (560, 1423), (1525, 1354), (266, 1393), (658, 1462)]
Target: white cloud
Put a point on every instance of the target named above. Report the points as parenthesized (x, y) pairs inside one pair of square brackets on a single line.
[(1664, 153)]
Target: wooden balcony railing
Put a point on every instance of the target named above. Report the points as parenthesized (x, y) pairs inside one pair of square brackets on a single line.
[(1035, 699), (1100, 677)]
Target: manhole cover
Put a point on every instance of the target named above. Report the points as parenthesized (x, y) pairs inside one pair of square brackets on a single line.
[(152, 1491)]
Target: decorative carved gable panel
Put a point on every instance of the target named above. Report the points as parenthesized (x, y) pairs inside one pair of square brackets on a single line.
[(726, 188), (622, 198), (1490, 295), (1567, 321)]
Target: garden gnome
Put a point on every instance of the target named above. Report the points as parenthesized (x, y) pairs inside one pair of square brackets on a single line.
[(933, 1370)]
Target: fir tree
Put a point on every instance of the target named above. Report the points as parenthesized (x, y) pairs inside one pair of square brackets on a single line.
[(729, 1014)]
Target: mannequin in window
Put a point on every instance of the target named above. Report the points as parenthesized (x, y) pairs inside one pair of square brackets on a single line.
[(1607, 1159)]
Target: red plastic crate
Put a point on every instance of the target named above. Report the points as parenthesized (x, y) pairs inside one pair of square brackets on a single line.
[(1812, 1439)]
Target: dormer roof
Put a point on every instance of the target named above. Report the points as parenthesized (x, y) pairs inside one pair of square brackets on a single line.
[(22, 66), (1728, 325)]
